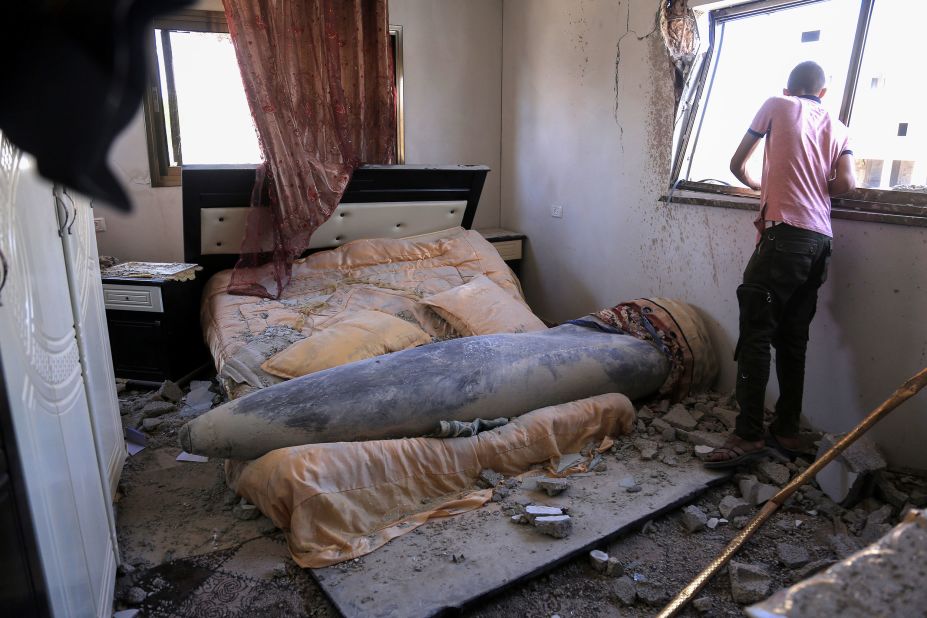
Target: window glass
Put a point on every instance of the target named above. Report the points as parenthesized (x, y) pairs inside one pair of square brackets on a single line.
[(889, 117), (754, 58), (211, 108)]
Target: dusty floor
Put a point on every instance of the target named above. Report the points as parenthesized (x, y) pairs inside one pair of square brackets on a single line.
[(189, 549)]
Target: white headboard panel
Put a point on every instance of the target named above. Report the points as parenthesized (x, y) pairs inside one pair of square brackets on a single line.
[(223, 229)]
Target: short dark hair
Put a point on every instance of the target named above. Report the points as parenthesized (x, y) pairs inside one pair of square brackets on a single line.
[(807, 78)]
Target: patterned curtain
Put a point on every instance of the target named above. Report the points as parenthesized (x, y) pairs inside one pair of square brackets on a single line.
[(319, 79)]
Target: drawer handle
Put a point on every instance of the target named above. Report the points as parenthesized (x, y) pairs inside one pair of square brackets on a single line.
[(4, 272)]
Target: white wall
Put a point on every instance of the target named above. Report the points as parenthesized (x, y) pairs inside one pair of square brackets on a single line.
[(453, 64), (564, 143)]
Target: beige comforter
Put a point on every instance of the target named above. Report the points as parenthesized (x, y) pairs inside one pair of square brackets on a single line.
[(383, 274)]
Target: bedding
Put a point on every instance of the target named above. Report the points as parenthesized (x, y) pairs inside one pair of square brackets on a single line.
[(481, 307), (387, 275), (338, 501)]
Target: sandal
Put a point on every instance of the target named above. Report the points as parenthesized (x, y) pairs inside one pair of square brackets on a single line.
[(773, 442), (740, 456)]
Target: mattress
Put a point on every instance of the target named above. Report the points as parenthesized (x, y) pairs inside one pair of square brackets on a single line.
[(390, 275)]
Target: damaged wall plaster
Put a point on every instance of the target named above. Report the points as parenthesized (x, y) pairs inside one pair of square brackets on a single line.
[(615, 241), (452, 57)]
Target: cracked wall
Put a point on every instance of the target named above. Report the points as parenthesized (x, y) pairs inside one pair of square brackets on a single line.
[(588, 97)]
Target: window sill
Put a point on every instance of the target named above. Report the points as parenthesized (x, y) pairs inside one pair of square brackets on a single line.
[(873, 205)]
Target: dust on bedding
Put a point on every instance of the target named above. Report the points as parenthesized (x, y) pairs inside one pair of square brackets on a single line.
[(382, 274)]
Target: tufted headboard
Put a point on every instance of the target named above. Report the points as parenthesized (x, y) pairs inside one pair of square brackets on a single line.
[(381, 201)]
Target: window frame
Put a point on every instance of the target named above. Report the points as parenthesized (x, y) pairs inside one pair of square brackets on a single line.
[(862, 204), (162, 173)]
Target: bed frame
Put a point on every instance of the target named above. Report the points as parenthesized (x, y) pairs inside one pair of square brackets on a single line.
[(381, 201)]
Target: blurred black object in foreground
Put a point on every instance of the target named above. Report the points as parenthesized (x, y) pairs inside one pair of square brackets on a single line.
[(72, 74)]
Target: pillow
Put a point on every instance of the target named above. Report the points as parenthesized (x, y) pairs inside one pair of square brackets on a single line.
[(364, 334), (483, 308)]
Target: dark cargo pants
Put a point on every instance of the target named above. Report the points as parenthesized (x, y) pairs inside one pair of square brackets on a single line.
[(778, 299)]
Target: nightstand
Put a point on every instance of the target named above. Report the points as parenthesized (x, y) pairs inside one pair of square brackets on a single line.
[(154, 327), (509, 244)]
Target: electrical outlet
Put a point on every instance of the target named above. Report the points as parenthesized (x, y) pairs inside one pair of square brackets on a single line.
[(99, 224), (556, 211)]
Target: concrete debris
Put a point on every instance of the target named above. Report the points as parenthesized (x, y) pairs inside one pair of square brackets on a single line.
[(569, 460), (678, 416), (624, 591), (645, 413), (648, 453), (888, 491), (694, 518), (813, 567), (749, 582), (599, 560), (157, 408), (846, 479), (652, 594), (634, 489), (663, 406), (702, 604), (668, 435), (843, 545), (740, 522), (557, 526), (706, 438), (702, 451), (245, 511), (169, 392), (792, 556), (134, 596), (732, 506), (533, 511), (500, 493), (873, 532), (200, 398), (660, 425), (488, 479), (627, 482), (712, 523), (150, 424), (552, 486), (614, 567), (680, 448), (774, 473), (727, 417), (762, 493), (879, 516)]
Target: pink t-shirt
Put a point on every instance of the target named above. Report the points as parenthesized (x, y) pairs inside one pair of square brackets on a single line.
[(803, 143)]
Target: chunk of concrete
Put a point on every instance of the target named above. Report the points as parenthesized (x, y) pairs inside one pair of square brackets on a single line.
[(552, 486), (693, 518), (712, 523), (792, 556), (599, 560), (773, 472), (245, 511), (488, 478), (170, 392), (157, 408), (749, 582), (533, 511), (702, 451), (679, 417), (624, 590), (706, 438), (652, 594), (614, 567), (732, 506), (848, 477), (557, 526), (727, 417)]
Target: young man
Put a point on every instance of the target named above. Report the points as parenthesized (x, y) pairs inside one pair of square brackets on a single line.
[(806, 161)]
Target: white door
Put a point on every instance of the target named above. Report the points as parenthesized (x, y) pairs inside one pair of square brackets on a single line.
[(80, 252), (70, 509)]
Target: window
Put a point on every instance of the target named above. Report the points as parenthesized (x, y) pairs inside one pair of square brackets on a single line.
[(196, 110), (860, 43)]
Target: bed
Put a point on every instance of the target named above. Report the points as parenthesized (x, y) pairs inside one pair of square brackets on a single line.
[(401, 233)]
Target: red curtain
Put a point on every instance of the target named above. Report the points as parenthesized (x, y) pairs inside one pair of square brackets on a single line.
[(319, 79)]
